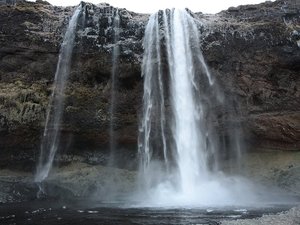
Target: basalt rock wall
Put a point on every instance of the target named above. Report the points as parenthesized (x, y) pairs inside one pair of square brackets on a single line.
[(253, 52)]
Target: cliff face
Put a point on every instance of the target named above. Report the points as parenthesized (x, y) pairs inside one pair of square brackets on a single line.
[(253, 51)]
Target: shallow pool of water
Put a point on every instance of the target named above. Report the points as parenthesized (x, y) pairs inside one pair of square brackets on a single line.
[(84, 213)]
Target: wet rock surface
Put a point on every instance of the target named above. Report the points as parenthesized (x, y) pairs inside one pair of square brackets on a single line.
[(274, 169), (75, 180), (253, 51)]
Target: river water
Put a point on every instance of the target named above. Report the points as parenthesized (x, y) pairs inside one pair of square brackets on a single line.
[(87, 213)]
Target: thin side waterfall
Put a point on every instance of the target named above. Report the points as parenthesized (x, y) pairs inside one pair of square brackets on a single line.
[(114, 72), (51, 136), (179, 146)]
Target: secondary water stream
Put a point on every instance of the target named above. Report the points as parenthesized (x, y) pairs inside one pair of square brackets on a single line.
[(114, 82), (51, 136)]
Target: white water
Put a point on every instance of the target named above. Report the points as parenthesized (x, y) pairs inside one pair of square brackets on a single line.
[(51, 136), (180, 151), (187, 133)]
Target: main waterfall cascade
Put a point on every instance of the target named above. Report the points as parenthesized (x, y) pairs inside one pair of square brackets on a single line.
[(51, 135), (179, 147)]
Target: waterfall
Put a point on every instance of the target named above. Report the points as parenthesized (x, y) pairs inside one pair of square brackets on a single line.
[(180, 148), (51, 135), (188, 136), (114, 72)]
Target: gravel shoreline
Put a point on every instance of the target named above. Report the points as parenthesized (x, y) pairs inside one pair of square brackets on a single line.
[(291, 217)]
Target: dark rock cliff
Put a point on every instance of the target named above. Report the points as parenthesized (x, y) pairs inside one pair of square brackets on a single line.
[(253, 51)]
